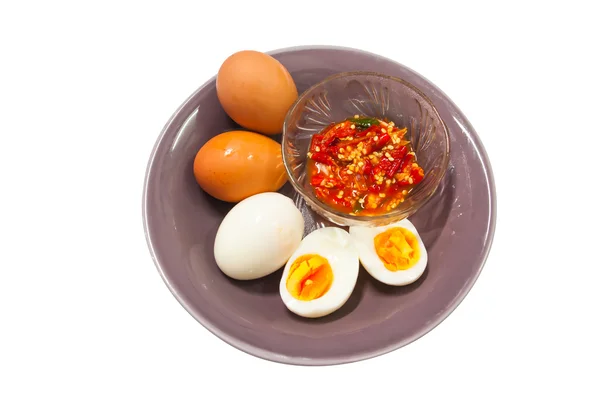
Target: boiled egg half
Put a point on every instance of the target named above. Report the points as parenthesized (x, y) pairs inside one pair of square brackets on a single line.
[(393, 254), (320, 276)]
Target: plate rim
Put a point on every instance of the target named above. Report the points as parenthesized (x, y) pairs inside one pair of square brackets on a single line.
[(271, 356)]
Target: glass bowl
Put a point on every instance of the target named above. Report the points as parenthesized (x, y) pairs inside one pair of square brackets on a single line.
[(370, 94)]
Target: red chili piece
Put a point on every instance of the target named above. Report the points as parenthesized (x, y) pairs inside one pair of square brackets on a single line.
[(322, 158)]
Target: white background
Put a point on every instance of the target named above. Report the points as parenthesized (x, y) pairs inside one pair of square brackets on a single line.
[(85, 88)]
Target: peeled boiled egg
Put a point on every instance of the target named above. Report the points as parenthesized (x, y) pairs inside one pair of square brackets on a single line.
[(320, 276), (258, 235), (237, 164), (256, 91), (393, 254)]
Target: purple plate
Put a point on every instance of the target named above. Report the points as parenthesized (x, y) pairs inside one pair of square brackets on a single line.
[(180, 220)]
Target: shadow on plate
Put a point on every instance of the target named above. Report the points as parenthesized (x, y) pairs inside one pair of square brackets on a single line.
[(431, 218), (268, 285), (219, 206)]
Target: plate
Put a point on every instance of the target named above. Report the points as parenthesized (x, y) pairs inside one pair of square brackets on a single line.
[(457, 226)]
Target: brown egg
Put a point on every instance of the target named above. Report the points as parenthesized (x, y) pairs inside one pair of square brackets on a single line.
[(256, 91), (237, 164)]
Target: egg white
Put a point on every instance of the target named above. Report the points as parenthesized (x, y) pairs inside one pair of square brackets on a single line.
[(364, 239), (336, 245)]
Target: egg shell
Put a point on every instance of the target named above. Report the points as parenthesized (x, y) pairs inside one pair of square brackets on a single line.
[(256, 91), (237, 164), (364, 240), (258, 235), (336, 245)]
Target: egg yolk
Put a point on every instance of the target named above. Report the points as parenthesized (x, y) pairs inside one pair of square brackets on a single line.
[(310, 277), (398, 248)]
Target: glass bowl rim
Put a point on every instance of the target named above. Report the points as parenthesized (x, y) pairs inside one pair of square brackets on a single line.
[(400, 210)]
